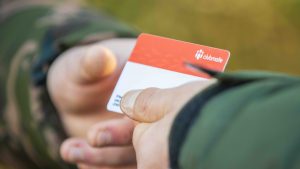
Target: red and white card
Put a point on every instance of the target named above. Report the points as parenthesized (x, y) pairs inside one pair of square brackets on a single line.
[(159, 62)]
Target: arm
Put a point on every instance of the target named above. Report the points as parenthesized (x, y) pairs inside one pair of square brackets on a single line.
[(32, 37), (246, 120)]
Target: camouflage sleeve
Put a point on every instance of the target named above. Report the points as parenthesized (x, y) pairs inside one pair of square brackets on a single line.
[(31, 37)]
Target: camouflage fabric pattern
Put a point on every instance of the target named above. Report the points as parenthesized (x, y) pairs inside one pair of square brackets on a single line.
[(33, 36)]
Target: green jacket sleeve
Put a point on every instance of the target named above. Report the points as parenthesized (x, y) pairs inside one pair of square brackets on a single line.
[(247, 120), (31, 37)]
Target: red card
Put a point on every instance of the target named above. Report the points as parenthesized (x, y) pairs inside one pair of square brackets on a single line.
[(159, 62), (171, 54)]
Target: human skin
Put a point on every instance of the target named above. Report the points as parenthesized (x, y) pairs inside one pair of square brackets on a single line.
[(80, 82), (153, 110)]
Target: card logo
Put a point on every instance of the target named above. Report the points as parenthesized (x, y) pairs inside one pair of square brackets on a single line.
[(200, 54)]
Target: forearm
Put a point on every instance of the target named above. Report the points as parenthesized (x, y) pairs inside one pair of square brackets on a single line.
[(31, 39), (228, 124)]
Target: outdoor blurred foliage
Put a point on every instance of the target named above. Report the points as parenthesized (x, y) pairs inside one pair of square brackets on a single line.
[(261, 34)]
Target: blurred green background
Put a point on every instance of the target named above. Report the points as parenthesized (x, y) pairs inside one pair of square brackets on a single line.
[(261, 34)]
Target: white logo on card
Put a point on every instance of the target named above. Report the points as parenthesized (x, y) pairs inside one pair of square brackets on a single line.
[(200, 54)]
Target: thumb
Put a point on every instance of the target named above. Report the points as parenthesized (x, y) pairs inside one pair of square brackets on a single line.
[(96, 62), (152, 104)]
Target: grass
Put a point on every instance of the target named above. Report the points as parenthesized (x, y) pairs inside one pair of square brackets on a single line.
[(262, 35)]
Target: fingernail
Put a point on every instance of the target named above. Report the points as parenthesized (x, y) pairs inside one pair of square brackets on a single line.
[(128, 101), (76, 154), (98, 62), (110, 62), (104, 138)]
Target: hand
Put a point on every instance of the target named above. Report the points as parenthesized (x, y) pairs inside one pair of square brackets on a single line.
[(156, 110), (112, 147), (80, 83)]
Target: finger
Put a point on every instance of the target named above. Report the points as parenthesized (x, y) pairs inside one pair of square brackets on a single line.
[(95, 63), (112, 132), (84, 166), (78, 151), (152, 104)]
